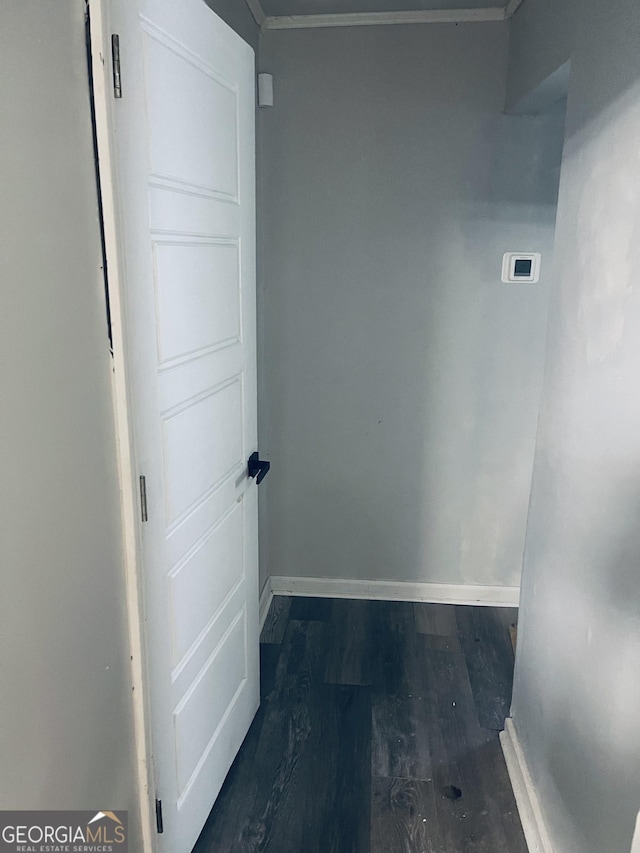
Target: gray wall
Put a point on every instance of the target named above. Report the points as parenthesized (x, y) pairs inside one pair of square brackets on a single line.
[(402, 377), (66, 731), (576, 701)]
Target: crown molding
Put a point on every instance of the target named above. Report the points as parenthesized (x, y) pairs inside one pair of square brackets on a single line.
[(367, 19), (257, 11), (512, 8)]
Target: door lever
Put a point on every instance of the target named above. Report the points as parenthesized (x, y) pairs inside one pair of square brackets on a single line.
[(257, 467)]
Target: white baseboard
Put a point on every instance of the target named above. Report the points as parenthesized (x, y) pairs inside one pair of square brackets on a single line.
[(266, 597), (438, 593), (533, 824)]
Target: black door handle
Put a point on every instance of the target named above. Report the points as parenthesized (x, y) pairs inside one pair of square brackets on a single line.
[(257, 467)]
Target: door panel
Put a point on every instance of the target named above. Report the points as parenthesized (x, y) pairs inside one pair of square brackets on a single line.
[(216, 687), (188, 100), (196, 457), (195, 596), (184, 152), (194, 312)]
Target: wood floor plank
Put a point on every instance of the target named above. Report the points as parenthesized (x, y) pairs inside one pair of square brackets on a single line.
[(439, 619), (393, 644), (450, 721), (400, 738), (345, 826), (332, 797), (498, 794), (444, 644), (404, 817), (461, 805), (247, 817), (304, 609), (269, 657), (469, 823), (349, 659), (276, 622), (446, 687), (481, 819), (278, 824), (410, 728), (466, 824), (329, 809), (484, 633)]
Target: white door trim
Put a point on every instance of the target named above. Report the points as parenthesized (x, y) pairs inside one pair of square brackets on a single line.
[(100, 35), (437, 593)]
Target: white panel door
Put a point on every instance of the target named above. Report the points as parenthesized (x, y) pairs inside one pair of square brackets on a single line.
[(184, 163)]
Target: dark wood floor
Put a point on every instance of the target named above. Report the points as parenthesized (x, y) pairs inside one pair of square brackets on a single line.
[(377, 733)]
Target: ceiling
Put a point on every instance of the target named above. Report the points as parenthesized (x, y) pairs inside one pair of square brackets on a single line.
[(273, 8)]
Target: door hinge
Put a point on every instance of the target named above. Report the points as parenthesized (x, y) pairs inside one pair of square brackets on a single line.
[(115, 60), (143, 499), (159, 824)]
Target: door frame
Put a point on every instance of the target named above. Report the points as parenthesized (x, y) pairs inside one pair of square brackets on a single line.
[(102, 91)]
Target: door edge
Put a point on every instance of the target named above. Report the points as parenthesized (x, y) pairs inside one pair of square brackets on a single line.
[(100, 58)]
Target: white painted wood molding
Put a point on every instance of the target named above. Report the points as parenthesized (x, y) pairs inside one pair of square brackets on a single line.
[(512, 8), (363, 19), (437, 593), (366, 19), (257, 11), (535, 830)]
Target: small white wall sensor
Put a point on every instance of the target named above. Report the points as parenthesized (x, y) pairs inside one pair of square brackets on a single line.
[(521, 266), (265, 90)]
